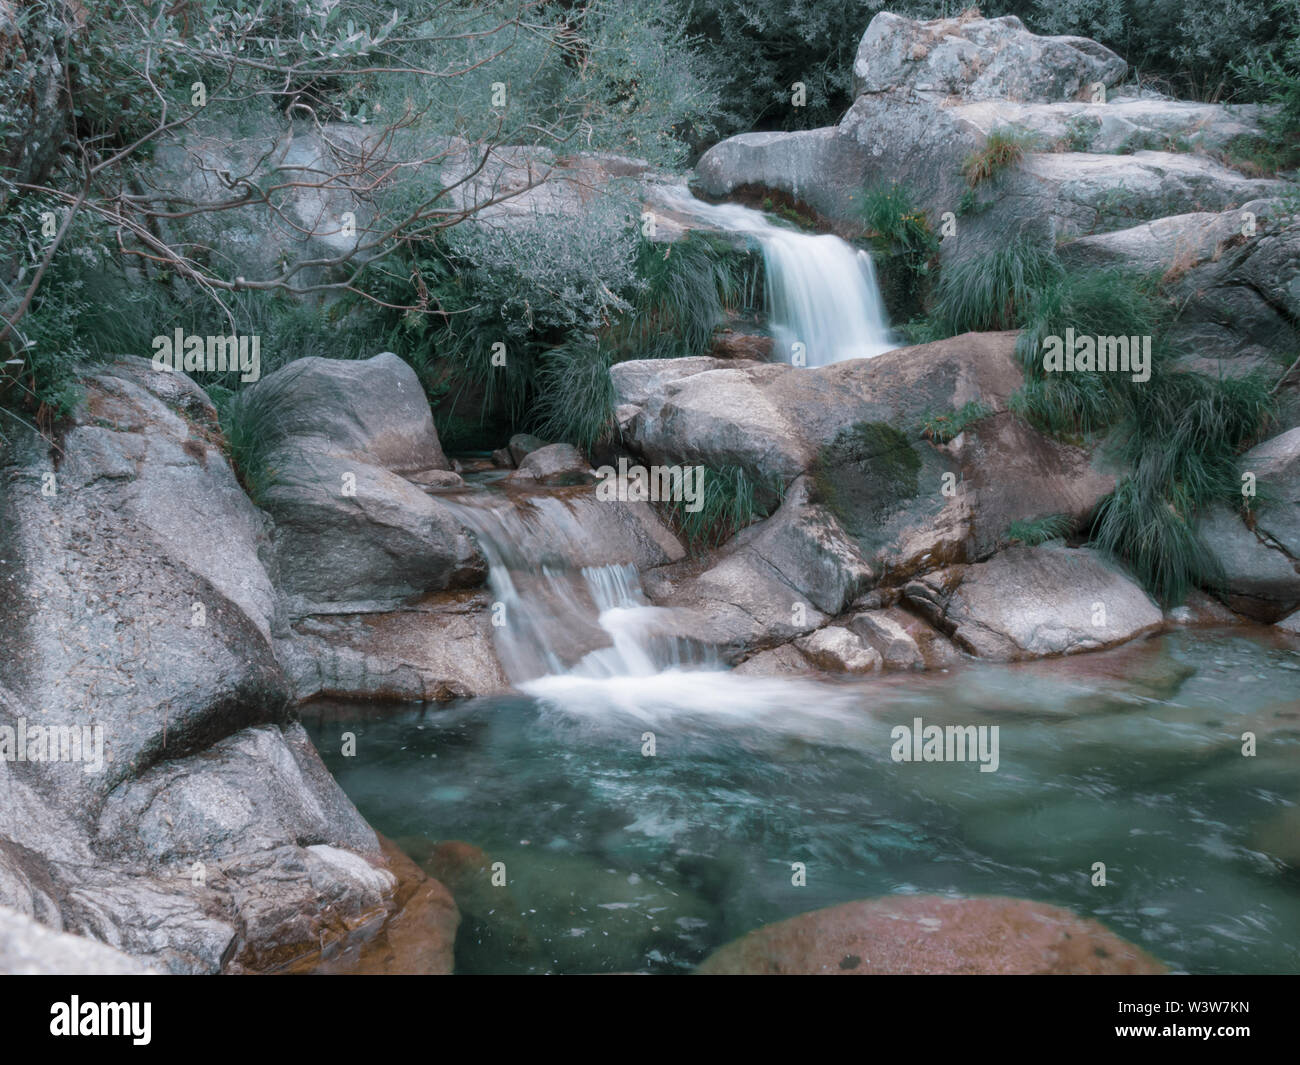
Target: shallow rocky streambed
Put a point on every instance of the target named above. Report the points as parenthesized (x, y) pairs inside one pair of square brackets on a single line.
[(621, 862)]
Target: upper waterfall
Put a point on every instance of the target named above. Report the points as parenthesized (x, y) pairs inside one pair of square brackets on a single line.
[(821, 291)]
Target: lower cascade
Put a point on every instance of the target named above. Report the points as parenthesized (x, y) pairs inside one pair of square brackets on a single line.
[(586, 639)]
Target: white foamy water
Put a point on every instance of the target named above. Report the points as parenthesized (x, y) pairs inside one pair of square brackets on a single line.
[(586, 641), (821, 291)]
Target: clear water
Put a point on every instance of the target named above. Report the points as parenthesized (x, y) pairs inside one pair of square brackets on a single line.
[(621, 862)]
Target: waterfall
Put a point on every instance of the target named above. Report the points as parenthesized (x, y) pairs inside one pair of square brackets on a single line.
[(821, 291), (585, 640), (561, 617)]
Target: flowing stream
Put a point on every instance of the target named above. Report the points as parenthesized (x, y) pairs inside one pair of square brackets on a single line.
[(648, 804)]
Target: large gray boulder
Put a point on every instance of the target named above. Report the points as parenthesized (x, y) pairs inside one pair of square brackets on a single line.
[(373, 410), (1276, 466), (784, 577), (178, 813), (930, 94), (979, 59), (1259, 561), (1259, 578), (28, 948), (345, 448), (1029, 602), (1234, 273), (909, 504)]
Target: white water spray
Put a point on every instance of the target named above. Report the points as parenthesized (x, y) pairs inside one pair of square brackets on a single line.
[(585, 640), (821, 292)]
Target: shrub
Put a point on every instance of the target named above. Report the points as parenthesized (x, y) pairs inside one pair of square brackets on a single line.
[(1038, 531), (943, 427)]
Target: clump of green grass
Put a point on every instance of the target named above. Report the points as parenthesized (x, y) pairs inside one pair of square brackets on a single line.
[(731, 500), (250, 430), (1149, 140), (1110, 302), (1079, 134), (1038, 530), (890, 212), (942, 427), (1005, 147), (685, 290), (1178, 433), (988, 292), (1261, 157), (575, 395)]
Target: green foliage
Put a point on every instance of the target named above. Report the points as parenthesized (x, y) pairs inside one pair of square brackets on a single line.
[(1094, 303), (575, 395), (682, 292), (989, 292), (1080, 131), (249, 428), (1037, 531), (1177, 433), (891, 214), (1004, 148), (947, 425), (730, 501)]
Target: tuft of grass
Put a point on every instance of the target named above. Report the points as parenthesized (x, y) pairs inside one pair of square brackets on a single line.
[(890, 212), (1261, 157), (575, 395), (1037, 531), (249, 430), (730, 501), (989, 292), (1079, 134), (942, 427), (1113, 302), (686, 289), (1005, 147), (1178, 433)]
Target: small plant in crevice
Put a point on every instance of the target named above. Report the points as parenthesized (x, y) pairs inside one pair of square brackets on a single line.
[(1004, 148), (1037, 531), (945, 426), (250, 431), (905, 246)]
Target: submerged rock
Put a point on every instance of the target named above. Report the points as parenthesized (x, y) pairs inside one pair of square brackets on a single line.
[(931, 935)]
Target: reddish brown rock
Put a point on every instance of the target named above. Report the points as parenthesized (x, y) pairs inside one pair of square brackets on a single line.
[(729, 344), (927, 934)]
